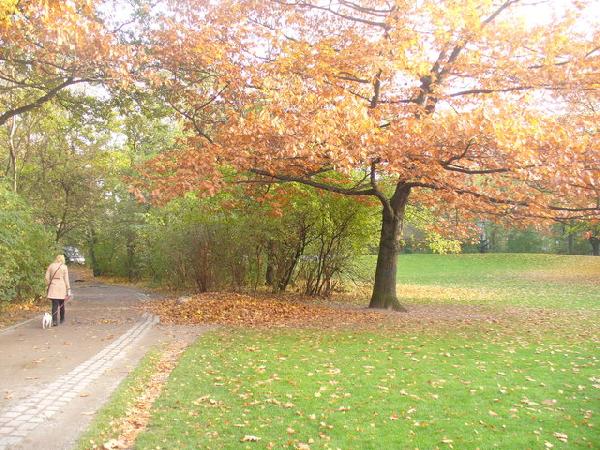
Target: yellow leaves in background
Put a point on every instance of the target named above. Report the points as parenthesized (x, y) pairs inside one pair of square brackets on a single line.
[(7, 8)]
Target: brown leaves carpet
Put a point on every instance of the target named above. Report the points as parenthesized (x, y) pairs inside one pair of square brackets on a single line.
[(270, 311)]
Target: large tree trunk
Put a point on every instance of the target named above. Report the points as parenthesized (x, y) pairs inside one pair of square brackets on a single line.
[(384, 290)]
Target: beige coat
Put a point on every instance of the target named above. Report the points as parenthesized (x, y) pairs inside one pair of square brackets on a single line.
[(60, 283)]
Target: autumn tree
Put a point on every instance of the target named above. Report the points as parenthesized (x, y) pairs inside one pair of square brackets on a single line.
[(49, 46), (461, 106)]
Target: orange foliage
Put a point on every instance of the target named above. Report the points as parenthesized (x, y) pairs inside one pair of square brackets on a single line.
[(50, 45), (469, 104)]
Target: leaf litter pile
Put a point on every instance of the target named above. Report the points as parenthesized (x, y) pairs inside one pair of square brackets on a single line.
[(270, 311), (235, 309)]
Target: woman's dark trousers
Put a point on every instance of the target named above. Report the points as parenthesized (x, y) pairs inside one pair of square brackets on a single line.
[(56, 305)]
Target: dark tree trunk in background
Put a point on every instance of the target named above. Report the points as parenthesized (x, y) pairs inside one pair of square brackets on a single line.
[(384, 290), (285, 280), (131, 272), (570, 242), (91, 244), (270, 272), (595, 242)]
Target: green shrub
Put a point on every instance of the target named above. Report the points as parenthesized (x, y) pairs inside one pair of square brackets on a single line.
[(26, 248)]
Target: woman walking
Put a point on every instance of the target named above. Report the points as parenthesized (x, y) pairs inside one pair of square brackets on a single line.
[(57, 280)]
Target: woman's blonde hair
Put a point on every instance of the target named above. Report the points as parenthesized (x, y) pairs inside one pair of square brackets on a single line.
[(60, 259)]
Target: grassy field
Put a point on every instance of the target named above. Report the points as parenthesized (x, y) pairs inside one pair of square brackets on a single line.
[(365, 391), (528, 379), (532, 280)]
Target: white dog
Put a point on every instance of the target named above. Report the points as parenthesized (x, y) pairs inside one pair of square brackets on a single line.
[(46, 320)]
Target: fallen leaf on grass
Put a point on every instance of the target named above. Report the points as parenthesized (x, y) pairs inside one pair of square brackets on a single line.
[(561, 437), (250, 438), (113, 443)]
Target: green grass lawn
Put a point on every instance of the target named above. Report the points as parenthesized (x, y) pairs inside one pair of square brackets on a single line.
[(532, 280), (530, 383), (365, 391)]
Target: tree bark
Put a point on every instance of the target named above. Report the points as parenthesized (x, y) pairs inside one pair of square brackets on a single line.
[(384, 291)]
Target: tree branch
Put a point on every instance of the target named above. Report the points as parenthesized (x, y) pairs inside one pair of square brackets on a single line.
[(40, 101), (489, 91), (315, 184), (304, 4), (376, 89), (375, 188), (460, 169)]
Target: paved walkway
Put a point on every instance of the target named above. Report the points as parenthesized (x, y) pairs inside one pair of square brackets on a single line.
[(53, 381), (17, 421)]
